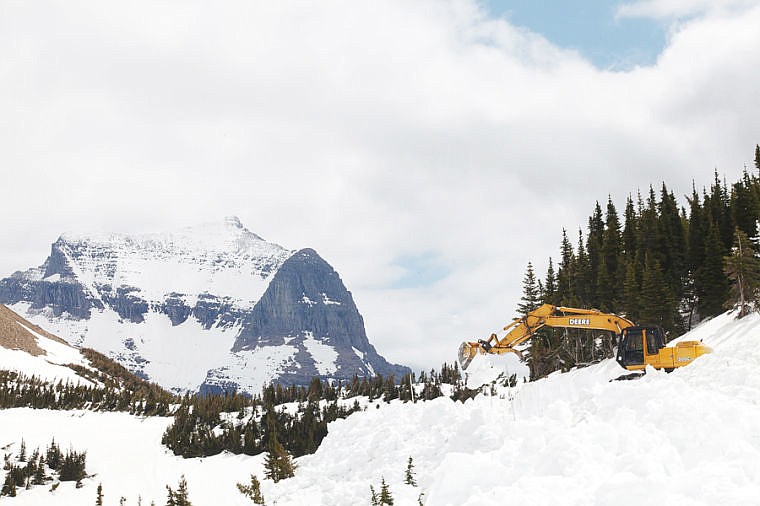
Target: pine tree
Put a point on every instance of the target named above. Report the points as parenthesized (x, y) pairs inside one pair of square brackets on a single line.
[(611, 274), (278, 464), (9, 485), (549, 292), (385, 493), (565, 274), (531, 297), (672, 251), (743, 270), (180, 497), (252, 491), (711, 283), (409, 476), (582, 282), (594, 244), (99, 498), (374, 498), (22, 452), (657, 303), (757, 156)]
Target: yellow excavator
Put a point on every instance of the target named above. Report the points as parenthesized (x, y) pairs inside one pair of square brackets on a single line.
[(638, 346)]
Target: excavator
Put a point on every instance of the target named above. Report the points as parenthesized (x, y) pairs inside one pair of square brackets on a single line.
[(638, 346)]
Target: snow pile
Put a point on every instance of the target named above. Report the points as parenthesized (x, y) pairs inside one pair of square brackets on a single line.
[(485, 369), (691, 437)]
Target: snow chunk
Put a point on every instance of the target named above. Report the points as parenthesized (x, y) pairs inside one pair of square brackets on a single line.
[(485, 369)]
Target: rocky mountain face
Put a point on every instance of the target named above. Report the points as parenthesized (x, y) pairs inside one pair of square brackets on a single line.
[(206, 308)]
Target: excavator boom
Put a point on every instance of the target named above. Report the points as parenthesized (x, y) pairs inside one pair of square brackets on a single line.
[(640, 346), (547, 315)]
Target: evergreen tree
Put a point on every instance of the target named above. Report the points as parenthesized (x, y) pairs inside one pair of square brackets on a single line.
[(757, 156), (180, 497), (673, 242), (252, 491), (565, 273), (745, 208), (611, 273), (549, 292), (657, 303), (582, 282), (99, 498), (9, 485), (531, 297), (409, 475), (742, 267), (278, 464), (630, 229), (22, 452), (711, 283), (594, 244), (374, 498), (385, 494)]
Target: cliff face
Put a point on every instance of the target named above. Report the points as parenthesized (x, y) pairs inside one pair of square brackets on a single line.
[(307, 306), (213, 307)]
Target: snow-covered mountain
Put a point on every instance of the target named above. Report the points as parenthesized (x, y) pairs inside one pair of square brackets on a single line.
[(208, 308), (690, 437)]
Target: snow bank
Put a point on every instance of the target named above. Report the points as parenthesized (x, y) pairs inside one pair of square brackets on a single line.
[(690, 437)]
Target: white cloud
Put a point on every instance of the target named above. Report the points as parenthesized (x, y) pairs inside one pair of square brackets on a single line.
[(367, 131), (674, 9)]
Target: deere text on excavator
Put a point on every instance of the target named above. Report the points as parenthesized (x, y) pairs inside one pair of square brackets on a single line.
[(638, 346)]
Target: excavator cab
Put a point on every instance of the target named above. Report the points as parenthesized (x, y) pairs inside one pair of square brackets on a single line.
[(639, 346)]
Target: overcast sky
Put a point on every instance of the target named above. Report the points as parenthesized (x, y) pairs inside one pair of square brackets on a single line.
[(426, 149)]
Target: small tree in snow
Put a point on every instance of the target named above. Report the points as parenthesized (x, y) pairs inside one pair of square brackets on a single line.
[(180, 497), (99, 498), (385, 494), (252, 491), (409, 477)]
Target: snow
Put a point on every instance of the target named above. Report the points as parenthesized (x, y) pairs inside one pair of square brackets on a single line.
[(690, 437), (125, 455), (324, 355), (217, 258), (176, 357), (253, 369), (485, 369), (51, 366)]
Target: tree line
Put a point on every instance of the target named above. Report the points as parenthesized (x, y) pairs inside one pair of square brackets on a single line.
[(657, 264), (240, 423)]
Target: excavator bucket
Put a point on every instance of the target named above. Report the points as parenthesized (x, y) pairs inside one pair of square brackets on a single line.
[(466, 353)]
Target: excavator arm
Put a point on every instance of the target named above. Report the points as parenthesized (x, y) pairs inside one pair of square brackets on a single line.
[(522, 329)]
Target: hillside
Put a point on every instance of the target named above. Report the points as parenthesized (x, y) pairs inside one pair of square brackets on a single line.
[(689, 437), (27, 348)]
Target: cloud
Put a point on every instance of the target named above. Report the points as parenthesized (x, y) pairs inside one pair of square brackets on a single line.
[(679, 9), (370, 132)]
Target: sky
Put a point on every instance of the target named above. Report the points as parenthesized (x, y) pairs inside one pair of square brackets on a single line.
[(428, 150)]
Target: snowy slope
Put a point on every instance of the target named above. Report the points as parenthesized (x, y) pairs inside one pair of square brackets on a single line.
[(50, 358), (691, 437)]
